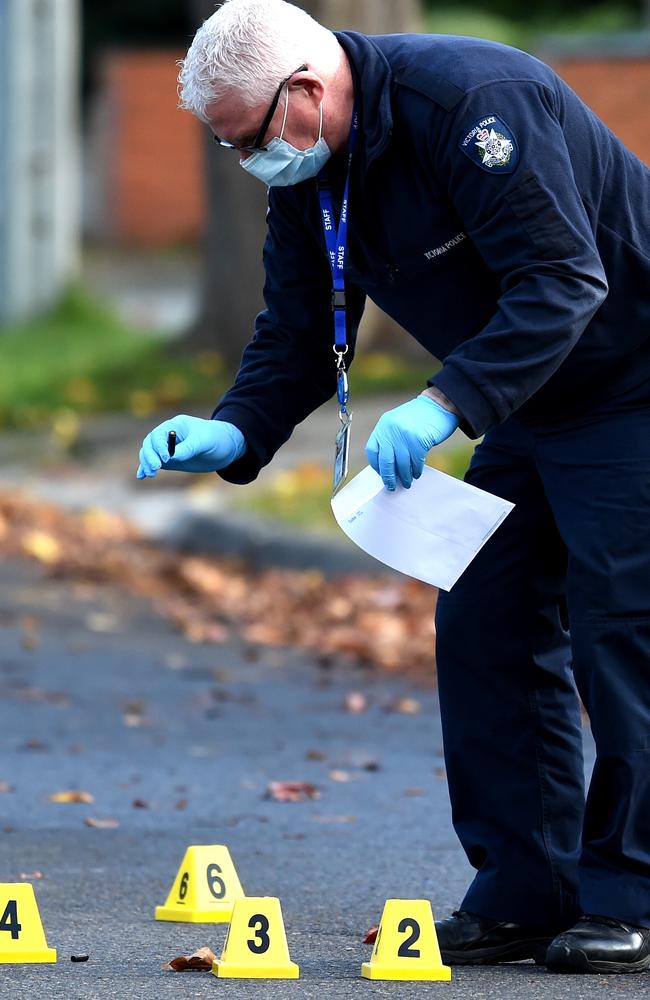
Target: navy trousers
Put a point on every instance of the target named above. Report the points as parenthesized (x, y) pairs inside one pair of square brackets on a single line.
[(556, 604)]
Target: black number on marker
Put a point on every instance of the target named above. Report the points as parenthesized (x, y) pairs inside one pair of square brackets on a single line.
[(261, 933), (405, 950), (216, 885), (182, 889), (9, 920)]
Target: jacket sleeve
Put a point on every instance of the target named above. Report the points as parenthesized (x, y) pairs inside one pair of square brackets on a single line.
[(528, 222), (288, 369)]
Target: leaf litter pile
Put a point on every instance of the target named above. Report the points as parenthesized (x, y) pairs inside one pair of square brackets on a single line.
[(376, 621)]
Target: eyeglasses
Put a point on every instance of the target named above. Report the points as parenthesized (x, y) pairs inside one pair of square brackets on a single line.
[(256, 145)]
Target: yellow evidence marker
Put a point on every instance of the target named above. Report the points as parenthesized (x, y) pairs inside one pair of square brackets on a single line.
[(205, 888), (407, 944), (256, 943), (22, 938)]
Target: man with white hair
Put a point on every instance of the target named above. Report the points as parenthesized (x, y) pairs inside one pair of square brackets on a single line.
[(471, 194)]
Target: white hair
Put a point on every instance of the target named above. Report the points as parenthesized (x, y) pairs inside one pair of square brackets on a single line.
[(250, 46)]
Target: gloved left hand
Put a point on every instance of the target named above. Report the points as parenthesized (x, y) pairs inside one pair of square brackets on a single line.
[(402, 437)]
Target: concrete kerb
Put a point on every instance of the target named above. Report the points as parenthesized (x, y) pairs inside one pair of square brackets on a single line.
[(264, 544)]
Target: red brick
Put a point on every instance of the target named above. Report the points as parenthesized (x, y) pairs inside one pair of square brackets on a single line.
[(156, 189), (617, 90)]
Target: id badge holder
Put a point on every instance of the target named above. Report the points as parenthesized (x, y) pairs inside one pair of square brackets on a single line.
[(342, 452), (342, 443)]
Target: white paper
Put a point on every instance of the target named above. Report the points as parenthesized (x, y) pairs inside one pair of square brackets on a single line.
[(431, 532)]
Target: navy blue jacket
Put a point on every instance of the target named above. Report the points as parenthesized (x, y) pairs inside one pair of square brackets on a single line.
[(492, 215)]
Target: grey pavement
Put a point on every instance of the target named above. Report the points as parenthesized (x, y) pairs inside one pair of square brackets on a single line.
[(217, 724), (151, 290)]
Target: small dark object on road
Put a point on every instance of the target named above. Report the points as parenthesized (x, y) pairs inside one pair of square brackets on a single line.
[(79, 958), (171, 443)]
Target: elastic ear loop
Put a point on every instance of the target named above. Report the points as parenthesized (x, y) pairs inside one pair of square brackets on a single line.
[(286, 111)]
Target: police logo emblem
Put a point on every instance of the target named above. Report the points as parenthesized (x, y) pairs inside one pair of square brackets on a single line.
[(497, 150), (491, 145)]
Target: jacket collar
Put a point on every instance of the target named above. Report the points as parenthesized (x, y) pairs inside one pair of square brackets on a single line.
[(372, 77)]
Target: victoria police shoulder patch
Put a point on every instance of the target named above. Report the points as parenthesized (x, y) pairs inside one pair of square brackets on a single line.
[(491, 145)]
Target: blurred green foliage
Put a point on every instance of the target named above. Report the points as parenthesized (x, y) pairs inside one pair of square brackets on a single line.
[(522, 25), (81, 359)]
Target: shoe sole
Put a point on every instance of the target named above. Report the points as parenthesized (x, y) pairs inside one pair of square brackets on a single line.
[(518, 951), (578, 962)]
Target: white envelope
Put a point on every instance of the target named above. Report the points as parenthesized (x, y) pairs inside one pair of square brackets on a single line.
[(431, 532)]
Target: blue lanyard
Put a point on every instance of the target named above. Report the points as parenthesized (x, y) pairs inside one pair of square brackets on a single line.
[(337, 245)]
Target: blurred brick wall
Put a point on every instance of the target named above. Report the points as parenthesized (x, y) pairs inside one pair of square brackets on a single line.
[(154, 178), (618, 90)]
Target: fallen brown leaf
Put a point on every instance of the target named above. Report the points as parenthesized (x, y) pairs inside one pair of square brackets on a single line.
[(356, 702), (405, 706), (140, 804), (101, 824), (178, 964), (133, 714), (340, 776), (200, 961), (73, 796), (37, 745), (291, 791), (371, 935), (41, 546), (132, 721)]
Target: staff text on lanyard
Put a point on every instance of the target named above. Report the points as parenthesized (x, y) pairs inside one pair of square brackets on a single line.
[(337, 243)]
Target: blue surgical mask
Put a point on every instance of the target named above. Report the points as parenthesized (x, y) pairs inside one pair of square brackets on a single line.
[(281, 164)]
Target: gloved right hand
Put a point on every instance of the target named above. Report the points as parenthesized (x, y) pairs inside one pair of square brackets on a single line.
[(201, 446)]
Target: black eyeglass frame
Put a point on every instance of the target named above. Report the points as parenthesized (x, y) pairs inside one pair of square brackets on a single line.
[(257, 144)]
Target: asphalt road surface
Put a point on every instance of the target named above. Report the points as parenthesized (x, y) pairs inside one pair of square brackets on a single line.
[(100, 695)]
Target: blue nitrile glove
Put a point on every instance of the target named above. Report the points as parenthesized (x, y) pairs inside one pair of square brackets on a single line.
[(402, 437), (201, 446)]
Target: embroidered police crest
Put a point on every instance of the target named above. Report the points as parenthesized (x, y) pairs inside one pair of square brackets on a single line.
[(491, 145)]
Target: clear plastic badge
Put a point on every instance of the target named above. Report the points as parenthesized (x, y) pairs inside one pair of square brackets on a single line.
[(342, 452)]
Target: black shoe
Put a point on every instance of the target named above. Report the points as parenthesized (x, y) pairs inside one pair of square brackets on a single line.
[(469, 939), (600, 944)]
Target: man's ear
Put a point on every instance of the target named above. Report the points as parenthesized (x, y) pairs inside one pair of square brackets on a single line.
[(310, 84)]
